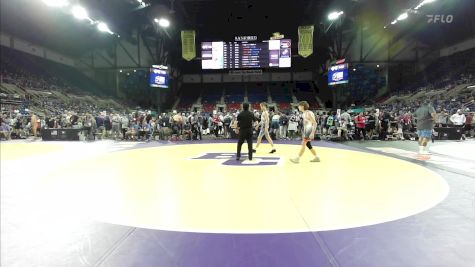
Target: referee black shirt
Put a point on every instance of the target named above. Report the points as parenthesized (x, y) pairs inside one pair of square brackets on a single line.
[(245, 120)]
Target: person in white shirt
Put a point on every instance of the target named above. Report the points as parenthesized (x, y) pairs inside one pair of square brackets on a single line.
[(124, 122), (220, 123), (458, 119), (116, 125)]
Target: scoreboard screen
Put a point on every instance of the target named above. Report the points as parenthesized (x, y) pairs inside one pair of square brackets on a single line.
[(246, 55), (159, 76), (338, 74)]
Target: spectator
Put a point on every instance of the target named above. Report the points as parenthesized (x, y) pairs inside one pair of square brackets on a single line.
[(360, 121), (441, 118), (275, 125), (217, 124), (5, 130), (283, 125), (385, 121), (124, 122), (468, 124), (34, 124), (293, 125), (345, 119), (227, 125), (115, 126), (329, 122), (407, 122), (459, 119), (107, 125), (100, 125), (370, 125)]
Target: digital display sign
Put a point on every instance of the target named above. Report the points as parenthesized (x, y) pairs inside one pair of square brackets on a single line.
[(338, 74), (159, 76), (246, 54)]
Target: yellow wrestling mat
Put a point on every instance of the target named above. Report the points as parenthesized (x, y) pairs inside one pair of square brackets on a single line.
[(15, 151), (202, 188)]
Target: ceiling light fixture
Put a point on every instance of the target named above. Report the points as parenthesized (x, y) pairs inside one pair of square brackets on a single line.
[(335, 15)]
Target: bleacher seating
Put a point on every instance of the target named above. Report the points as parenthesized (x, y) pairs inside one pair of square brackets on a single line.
[(381, 99), (314, 106), (208, 107), (189, 95), (257, 93), (184, 106), (212, 93), (305, 92), (280, 92), (43, 74), (470, 106), (234, 93), (284, 106), (74, 78), (46, 86), (441, 73), (364, 82), (234, 106), (255, 106)]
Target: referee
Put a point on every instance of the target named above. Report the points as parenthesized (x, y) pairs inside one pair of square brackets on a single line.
[(244, 129)]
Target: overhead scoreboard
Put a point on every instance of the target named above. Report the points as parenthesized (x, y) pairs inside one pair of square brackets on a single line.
[(338, 74), (246, 54), (159, 76)]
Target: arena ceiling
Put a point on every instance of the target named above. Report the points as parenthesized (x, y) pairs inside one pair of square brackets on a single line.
[(222, 19)]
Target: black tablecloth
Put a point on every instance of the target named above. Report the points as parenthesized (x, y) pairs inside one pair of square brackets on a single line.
[(448, 133), (60, 134)]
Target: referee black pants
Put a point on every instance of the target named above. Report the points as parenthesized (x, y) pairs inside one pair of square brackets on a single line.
[(245, 136)]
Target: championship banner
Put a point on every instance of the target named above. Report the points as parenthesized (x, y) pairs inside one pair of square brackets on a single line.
[(305, 40), (188, 49)]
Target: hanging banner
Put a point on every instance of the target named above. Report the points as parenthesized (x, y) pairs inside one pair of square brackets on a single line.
[(188, 49), (305, 40)]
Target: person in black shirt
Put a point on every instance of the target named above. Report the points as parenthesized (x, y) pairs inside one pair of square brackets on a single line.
[(385, 120), (245, 120), (370, 124)]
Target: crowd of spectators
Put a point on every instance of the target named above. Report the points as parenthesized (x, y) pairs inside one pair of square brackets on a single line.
[(385, 122), (379, 121), (446, 83), (31, 77)]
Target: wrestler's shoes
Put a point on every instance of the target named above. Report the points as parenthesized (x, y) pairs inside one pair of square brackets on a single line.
[(297, 160)]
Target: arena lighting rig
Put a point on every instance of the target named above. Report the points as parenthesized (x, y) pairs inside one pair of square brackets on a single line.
[(80, 13), (334, 15), (163, 22), (405, 15), (56, 3)]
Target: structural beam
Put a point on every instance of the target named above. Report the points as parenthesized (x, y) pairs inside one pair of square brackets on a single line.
[(128, 54)]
